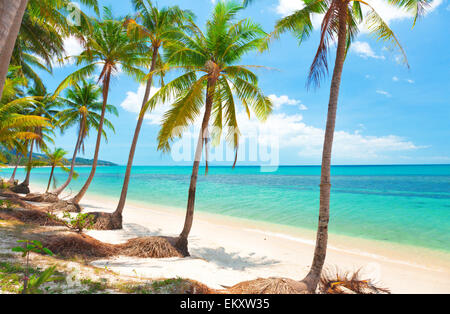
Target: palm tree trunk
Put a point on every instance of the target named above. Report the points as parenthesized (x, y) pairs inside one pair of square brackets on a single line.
[(50, 179), (30, 159), (13, 176), (182, 241), (72, 166), (313, 277), (11, 13), (79, 196), (126, 181)]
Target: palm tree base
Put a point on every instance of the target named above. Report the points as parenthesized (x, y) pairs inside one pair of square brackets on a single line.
[(62, 205), (42, 198), (107, 221), (270, 286), (181, 244), (21, 189)]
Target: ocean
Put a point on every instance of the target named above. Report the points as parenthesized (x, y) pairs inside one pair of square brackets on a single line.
[(407, 204)]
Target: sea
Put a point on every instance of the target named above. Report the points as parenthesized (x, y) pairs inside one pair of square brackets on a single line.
[(403, 204)]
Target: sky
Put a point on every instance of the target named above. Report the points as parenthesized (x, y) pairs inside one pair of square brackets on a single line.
[(387, 113)]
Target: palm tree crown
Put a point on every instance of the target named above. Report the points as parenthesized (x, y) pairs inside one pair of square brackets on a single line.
[(213, 55), (83, 107), (300, 24)]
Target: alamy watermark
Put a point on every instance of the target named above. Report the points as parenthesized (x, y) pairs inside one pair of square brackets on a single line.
[(256, 146)]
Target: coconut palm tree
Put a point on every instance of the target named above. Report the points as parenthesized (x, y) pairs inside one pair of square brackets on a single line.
[(11, 13), (156, 27), (16, 162), (56, 159), (46, 108), (210, 61), (16, 124), (340, 24), (41, 26), (107, 46), (83, 107)]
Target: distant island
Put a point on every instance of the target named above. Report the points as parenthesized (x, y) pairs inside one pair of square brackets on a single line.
[(78, 161)]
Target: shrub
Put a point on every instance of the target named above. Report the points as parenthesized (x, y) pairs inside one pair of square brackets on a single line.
[(31, 284)]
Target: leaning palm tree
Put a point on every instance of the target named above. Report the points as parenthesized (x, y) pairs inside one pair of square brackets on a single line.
[(212, 73), (46, 108), (156, 27), (11, 13), (16, 124), (49, 14), (55, 159), (83, 110), (341, 22), (108, 46)]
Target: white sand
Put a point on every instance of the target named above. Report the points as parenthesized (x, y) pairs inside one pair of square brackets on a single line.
[(226, 251)]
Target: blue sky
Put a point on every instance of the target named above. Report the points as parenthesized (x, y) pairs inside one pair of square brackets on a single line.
[(387, 113)]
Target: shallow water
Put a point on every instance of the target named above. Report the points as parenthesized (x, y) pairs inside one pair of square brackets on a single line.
[(400, 204)]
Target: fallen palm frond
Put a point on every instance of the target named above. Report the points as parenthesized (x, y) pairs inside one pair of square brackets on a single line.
[(29, 216), (338, 282)]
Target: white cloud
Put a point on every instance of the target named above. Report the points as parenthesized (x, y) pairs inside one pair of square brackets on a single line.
[(388, 12), (133, 103), (363, 49), (72, 47), (382, 92), (410, 81), (286, 7), (395, 79), (293, 133), (279, 101)]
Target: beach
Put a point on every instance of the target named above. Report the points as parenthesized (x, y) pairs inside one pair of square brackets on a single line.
[(225, 251)]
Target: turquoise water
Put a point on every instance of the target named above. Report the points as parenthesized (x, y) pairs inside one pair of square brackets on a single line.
[(401, 204)]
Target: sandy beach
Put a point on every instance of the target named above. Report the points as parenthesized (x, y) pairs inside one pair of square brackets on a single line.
[(225, 251)]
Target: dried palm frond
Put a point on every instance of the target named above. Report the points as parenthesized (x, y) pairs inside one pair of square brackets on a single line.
[(338, 282)]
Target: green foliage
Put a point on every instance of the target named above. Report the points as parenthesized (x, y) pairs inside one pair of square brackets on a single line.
[(299, 23), (207, 58), (31, 246), (32, 284), (3, 186), (94, 286), (7, 204), (78, 223)]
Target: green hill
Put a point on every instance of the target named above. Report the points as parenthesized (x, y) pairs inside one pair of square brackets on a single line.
[(78, 161)]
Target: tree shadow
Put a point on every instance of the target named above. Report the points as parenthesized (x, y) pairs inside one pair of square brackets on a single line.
[(232, 260)]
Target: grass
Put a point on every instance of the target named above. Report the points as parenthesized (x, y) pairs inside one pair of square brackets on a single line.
[(80, 278), (94, 286), (11, 275)]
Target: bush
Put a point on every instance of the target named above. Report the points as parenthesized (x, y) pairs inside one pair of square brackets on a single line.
[(77, 224)]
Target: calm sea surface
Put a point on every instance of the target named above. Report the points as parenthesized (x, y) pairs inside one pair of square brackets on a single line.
[(401, 204)]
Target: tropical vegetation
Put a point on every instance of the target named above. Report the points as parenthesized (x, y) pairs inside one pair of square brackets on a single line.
[(207, 87)]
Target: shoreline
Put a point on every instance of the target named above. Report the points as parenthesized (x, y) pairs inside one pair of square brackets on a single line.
[(394, 252), (233, 249)]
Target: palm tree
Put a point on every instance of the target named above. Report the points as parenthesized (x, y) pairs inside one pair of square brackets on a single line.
[(341, 24), (11, 13), (15, 122), (157, 27), (46, 108), (20, 151), (109, 46), (213, 55), (83, 108), (56, 159), (40, 26)]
